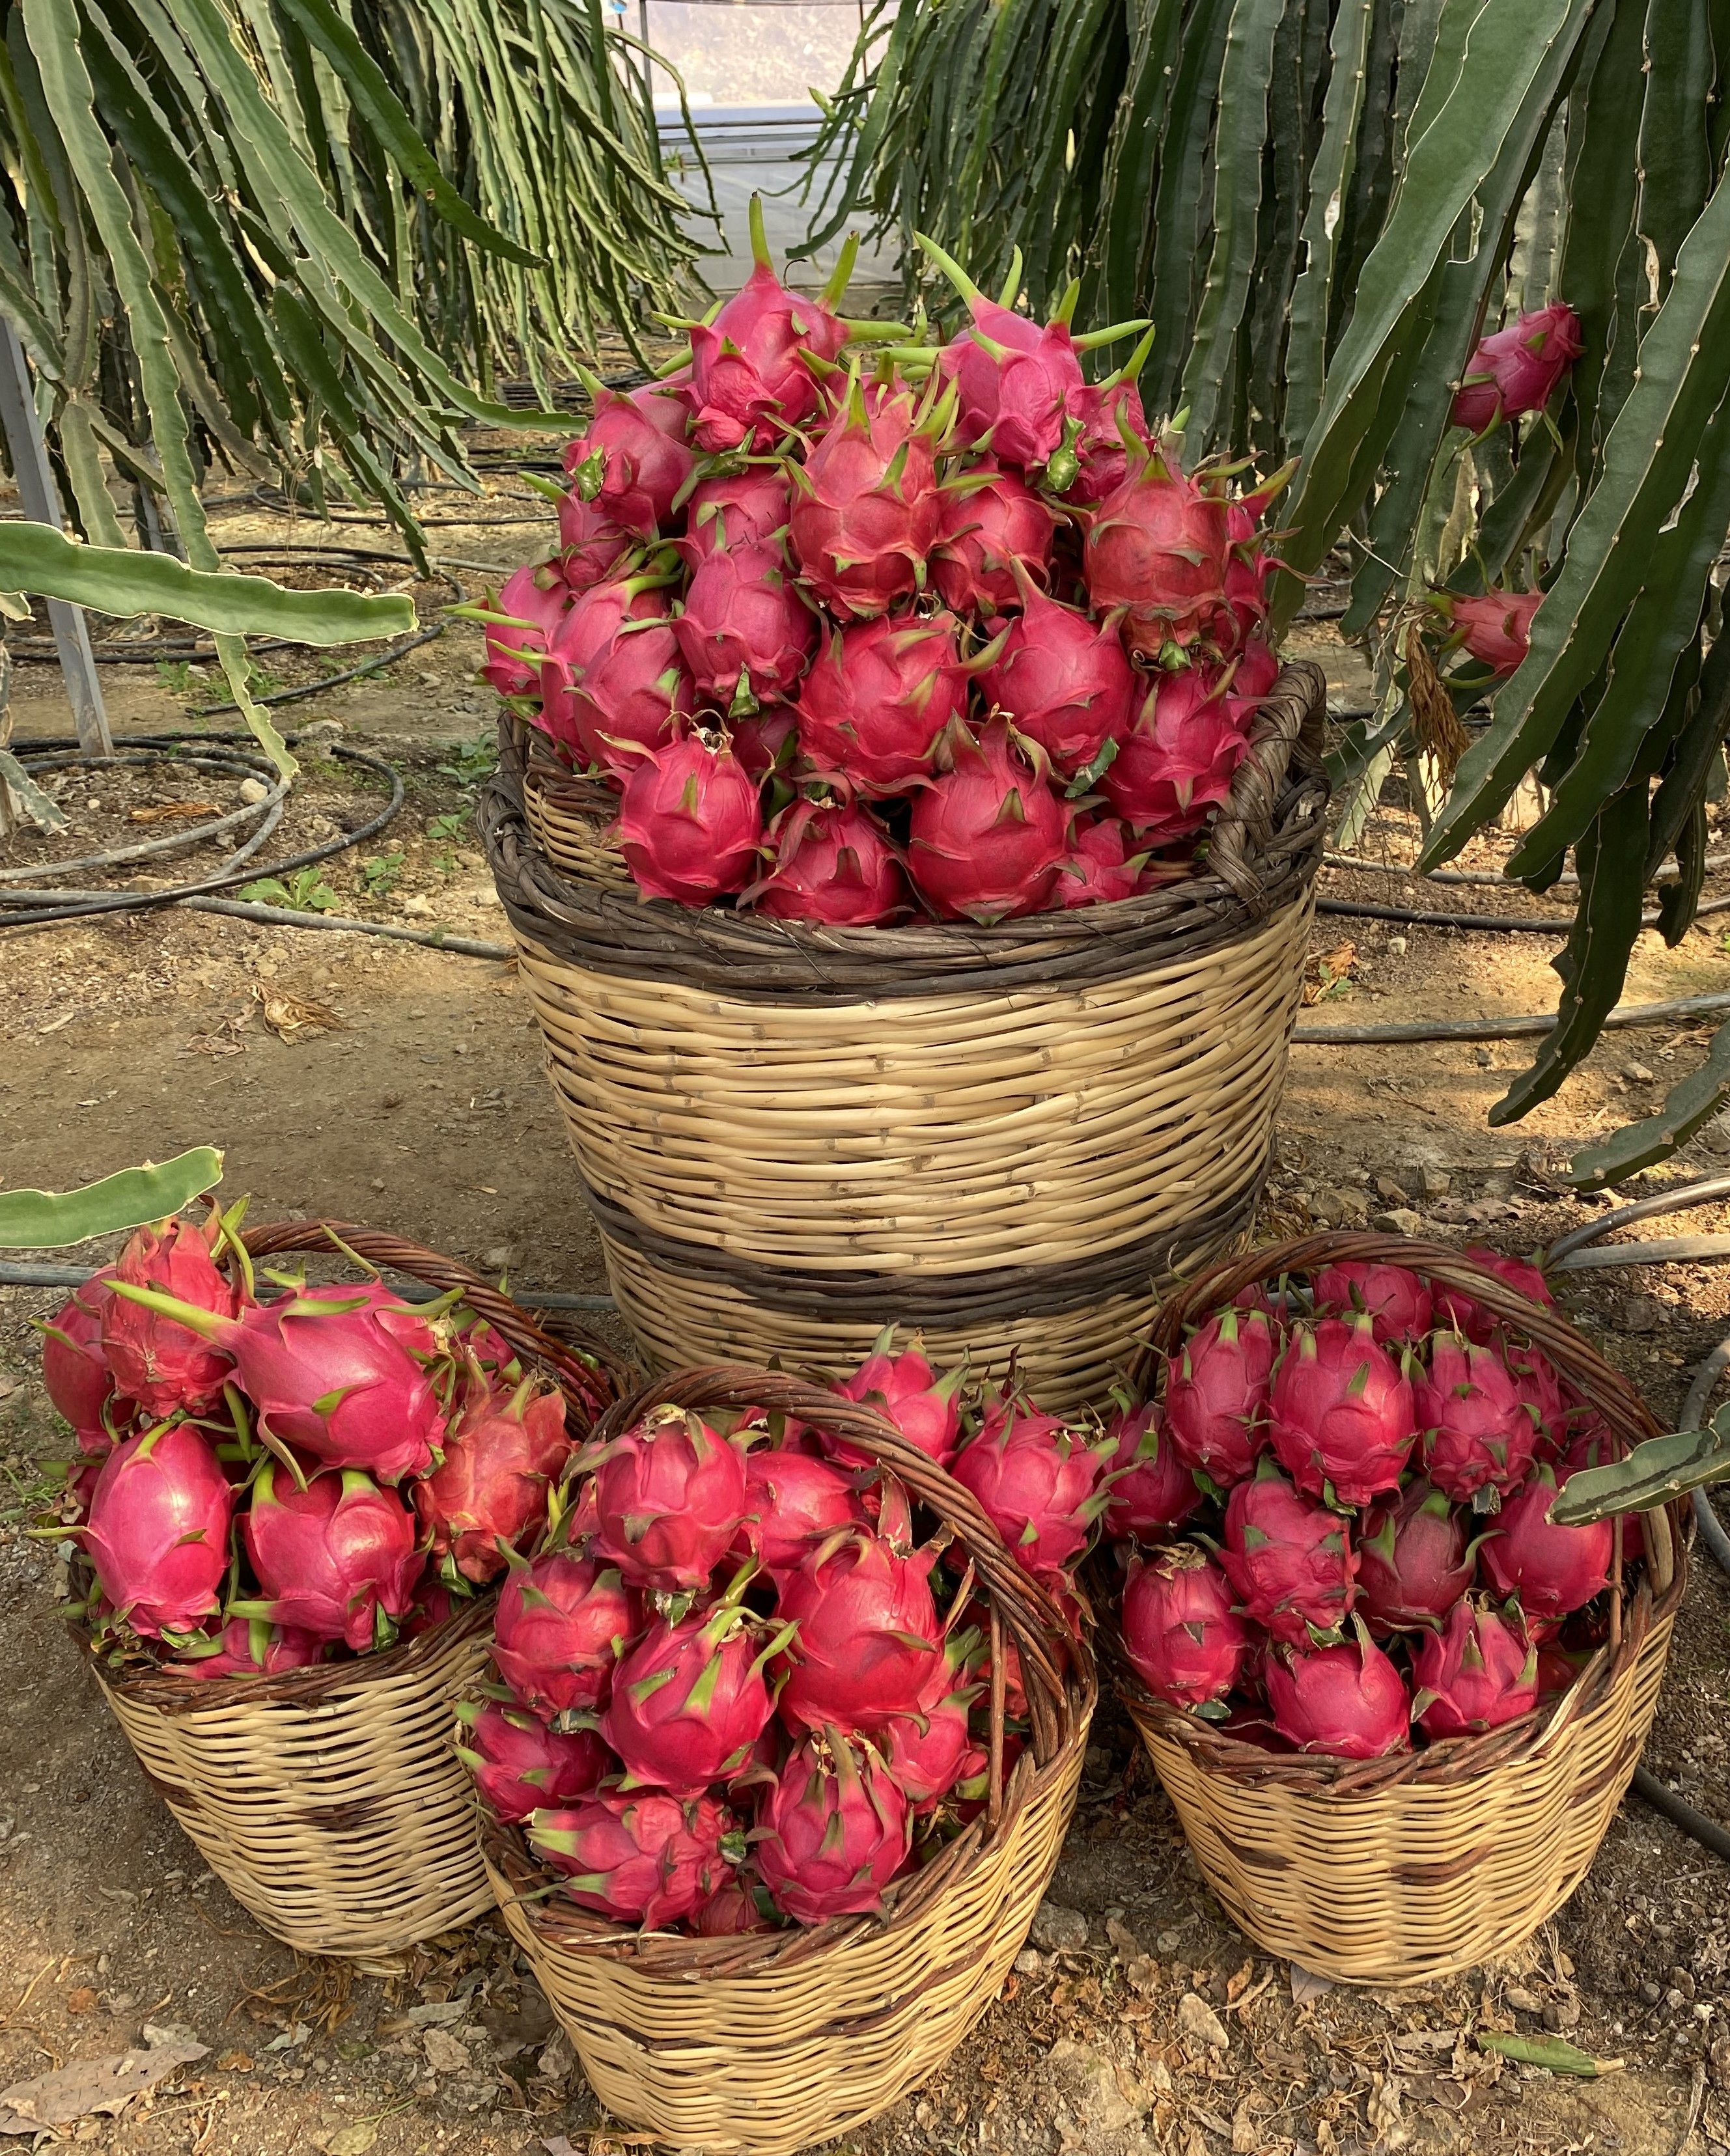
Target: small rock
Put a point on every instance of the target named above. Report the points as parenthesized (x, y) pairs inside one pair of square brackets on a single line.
[(498, 1259), (1650, 1992), (417, 907), (1434, 1182), (252, 791), (1396, 947), (1524, 2001), (1638, 1072), (484, 895), (1400, 1221), (1483, 1058), (1683, 1980), (1030, 1963), (1641, 1313), (1123, 1941), (1100, 2116), (1390, 1191), (1058, 1930), (1716, 1136), (1562, 2014), (1673, 1999), (1198, 2021)]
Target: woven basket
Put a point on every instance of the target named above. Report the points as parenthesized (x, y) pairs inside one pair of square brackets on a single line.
[(767, 2043), (328, 1800), (1398, 1871), (569, 815), (1009, 1137)]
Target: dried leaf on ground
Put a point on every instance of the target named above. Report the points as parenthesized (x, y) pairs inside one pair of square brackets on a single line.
[(1327, 973), (164, 812), (288, 1016), (89, 2087)]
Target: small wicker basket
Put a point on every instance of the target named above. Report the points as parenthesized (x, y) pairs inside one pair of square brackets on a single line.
[(767, 2043), (569, 814), (1398, 1871), (328, 1800)]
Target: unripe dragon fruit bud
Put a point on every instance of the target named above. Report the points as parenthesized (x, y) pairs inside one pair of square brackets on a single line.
[(1017, 382), (729, 1912), (869, 1641), (158, 1531), (745, 633), (1100, 867), (533, 601), (989, 526), (932, 1752), (1476, 1427), (1152, 1488), (1290, 1562), (1216, 1395), (833, 1832), (865, 509), (1397, 1300), (1415, 1560), (877, 700), (1187, 1643), (1340, 1418), (1479, 1671), (906, 1392), (834, 862), (591, 545), (989, 835), (1179, 756), (633, 460), (1062, 680), (76, 1374), (613, 682), (1554, 1569), (691, 823), (1348, 1701), (1156, 548), (249, 1647), (154, 1357), (337, 1559), (1038, 1483), (749, 378), (521, 1766), (640, 1858), (1495, 627), (562, 1623), (501, 1454), (794, 1503), (745, 508), (1515, 370), (689, 1699), (669, 1497)]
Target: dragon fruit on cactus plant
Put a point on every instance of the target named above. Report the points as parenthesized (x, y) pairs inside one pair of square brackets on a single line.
[(1062, 680), (830, 861), (1397, 1302), (1179, 756), (833, 1832), (877, 699), (669, 1497), (689, 1699), (76, 1374), (689, 823), (1514, 370), (1188, 1644), (158, 1530), (501, 1454), (906, 1392), (989, 835), (249, 1647), (748, 507), (1157, 549), (745, 633), (1348, 1701), (1478, 1671), (639, 1857), (633, 460), (1553, 1568), (533, 601), (613, 682), (520, 1765), (1153, 1488), (869, 1642), (1100, 866), (337, 1559), (1415, 1560), (865, 509), (1216, 1395), (1290, 1562), (1495, 627), (562, 1625), (1038, 1483), (1340, 1418), (991, 525), (154, 1357), (794, 1503), (1477, 1428)]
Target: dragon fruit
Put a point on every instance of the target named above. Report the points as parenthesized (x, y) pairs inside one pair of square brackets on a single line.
[(1018, 382), (834, 1830), (990, 526), (532, 604), (249, 1647), (1415, 1560), (1100, 867), (832, 862), (1188, 1644), (641, 1857), (337, 1559), (1257, 671), (689, 823), (748, 507), (158, 1530), (562, 1624), (765, 742), (1554, 1569), (988, 836), (1477, 1427), (591, 545), (1340, 1417), (1179, 756), (795, 1502), (869, 1641), (1062, 680), (877, 699), (1397, 1302), (1479, 1670), (1348, 1701), (689, 1699), (750, 376), (906, 1392), (745, 633), (153, 1356), (1290, 1562), (932, 1751), (633, 461), (521, 1766), (1216, 1395), (1495, 627), (1038, 1483), (1466, 1315), (1515, 370), (76, 1374), (1538, 1383), (501, 1454), (1152, 1488), (1157, 549), (866, 508), (1101, 453), (613, 682), (669, 1497), (729, 1912)]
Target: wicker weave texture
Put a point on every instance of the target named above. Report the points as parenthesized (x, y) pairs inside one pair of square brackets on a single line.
[(570, 819)]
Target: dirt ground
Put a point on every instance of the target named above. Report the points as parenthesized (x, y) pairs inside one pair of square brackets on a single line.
[(420, 1107)]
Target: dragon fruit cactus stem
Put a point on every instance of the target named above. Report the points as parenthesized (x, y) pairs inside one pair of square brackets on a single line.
[(1290, 1561), (1340, 1417), (669, 1495), (158, 1531), (835, 1831), (1187, 1642)]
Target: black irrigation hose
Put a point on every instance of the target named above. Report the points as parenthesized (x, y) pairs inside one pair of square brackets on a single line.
[(1500, 924), (1683, 1008), (25, 1273), (1696, 1824), (1707, 1191)]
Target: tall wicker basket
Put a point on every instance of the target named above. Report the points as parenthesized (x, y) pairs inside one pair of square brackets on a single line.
[(1010, 1137), (762, 2044), (1398, 1871), (328, 1800)]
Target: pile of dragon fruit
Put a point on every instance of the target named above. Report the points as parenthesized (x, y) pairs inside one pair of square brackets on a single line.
[(858, 631), (1335, 1535), (263, 1485), (748, 1682)]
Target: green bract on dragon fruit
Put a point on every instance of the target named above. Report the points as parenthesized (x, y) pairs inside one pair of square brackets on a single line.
[(860, 630)]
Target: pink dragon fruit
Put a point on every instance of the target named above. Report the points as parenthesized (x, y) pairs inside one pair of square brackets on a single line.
[(930, 1752), (869, 1642), (591, 545), (765, 740), (1539, 1383), (532, 604), (876, 700), (795, 1502), (833, 862), (1340, 1417), (501, 1454), (1479, 1670), (249, 1647), (1179, 756), (76, 1374), (1397, 1302), (633, 460), (1100, 867), (1018, 382), (612, 683), (1477, 1428), (1187, 1643), (1495, 627), (1216, 1395), (337, 1559), (907, 1393), (1157, 549), (1102, 455), (865, 508), (990, 526), (1063, 680), (729, 1912), (750, 376), (1553, 1569), (562, 1625), (640, 1858), (1290, 1562), (1038, 1483), (689, 1699), (834, 1831), (748, 507), (689, 823), (988, 836), (1415, 1560), (1348, 1701), (1515, 370), (1151, 1488), (745, 633), (1257, 671), (154, 1357), (1466, 1315), (669, 1497), (158, 1531), (521, 1766)]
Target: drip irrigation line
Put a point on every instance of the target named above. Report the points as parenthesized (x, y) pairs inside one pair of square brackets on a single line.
[(335, 680), (190, 835), (27, 1274), (282, 916), (1706, 1832), (1500, 924), (1681, 1197), (1487, 879), (1666, 1250), (1682, 1008)]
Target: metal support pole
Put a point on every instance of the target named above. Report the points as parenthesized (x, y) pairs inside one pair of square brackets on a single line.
[(648, 64), (22, 424)]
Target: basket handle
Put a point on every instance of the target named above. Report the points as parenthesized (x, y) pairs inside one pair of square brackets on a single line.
[(1286, 736)]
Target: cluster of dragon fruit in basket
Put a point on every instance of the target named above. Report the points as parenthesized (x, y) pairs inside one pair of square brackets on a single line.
[(1370, 1559), (860, 631), (737, 1689), (261, 1486)]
